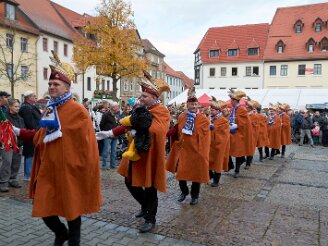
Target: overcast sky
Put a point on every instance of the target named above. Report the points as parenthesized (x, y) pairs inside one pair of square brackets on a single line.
[(175, 27)]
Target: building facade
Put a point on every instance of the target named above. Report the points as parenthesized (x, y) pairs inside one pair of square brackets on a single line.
[(231, 57), (296, 55), (18, 58), (174, 80)]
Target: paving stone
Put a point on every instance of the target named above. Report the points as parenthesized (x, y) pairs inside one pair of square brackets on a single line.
[(304, 177)]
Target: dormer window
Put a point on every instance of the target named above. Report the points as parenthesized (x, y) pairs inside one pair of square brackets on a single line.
[(252, 51), (298, 26), (232, 52), (318, 23), (317, 27), (280, 46), (214, 53), (310, 45), (10, 11), (324, 44)]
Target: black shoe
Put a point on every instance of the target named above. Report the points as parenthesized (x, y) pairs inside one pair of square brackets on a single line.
[(182, 197), (146, 227), (194, 201), (59, 241), (266, 156), (214, 184), (261, 159), (271, 158), (236, 175), (140, 214), (247, 167), (282, 156), (4, 189), (15, 184)]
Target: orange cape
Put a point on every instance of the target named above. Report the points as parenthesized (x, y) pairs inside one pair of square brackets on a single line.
[(286, 134), (65, 178), (150, 169), (189, 156), (274, 133)]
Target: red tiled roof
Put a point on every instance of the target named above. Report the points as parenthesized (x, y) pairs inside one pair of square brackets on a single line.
[(22, 23), (149, 47), (282, 28), (72, 18), (186, 80), (233, 37), (170, 71), (44, 15)]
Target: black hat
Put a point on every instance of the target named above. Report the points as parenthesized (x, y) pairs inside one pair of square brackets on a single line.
[(4, 94)]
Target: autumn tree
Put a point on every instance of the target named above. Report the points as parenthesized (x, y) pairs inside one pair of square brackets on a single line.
[(15, 61), (116, 47)]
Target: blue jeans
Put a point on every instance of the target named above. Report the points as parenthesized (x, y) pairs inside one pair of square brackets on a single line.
[(28, 166), (109, 147)]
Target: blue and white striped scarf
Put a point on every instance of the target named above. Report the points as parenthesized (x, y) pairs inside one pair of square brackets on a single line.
[(189, 126), (50, 119)]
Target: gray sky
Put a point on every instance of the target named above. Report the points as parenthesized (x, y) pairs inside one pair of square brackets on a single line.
[(175, 27)]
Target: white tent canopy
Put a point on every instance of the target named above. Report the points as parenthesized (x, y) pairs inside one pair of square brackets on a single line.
[(296, 98)]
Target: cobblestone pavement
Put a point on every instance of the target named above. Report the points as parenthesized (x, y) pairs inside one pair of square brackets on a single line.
[(278, 202)]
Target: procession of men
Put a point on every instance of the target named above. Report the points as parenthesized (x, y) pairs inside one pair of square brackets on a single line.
[(204, 144)]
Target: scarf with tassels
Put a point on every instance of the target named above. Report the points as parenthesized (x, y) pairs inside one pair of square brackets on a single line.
[(188, 127), (213, 118), (271, 119), (50, 119)]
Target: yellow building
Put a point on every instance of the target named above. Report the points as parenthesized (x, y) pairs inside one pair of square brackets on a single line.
[(18, 38)]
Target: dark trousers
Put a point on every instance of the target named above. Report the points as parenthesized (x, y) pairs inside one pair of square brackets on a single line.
[(74, 229), (249, 160), (239, 162), (260, 149), (195, 188), (215, 176), (283, 150), (147, 198), (273, 152)]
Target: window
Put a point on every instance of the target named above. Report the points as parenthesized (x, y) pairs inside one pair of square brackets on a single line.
[(317, 69), (45, 44), (10, 11), (197, 57), (255, 71), (24, 72), (125, 85), (197, 75), (273, 70), (24, 46), (324, 44), (9, 40), (131, 86), (311, 48), (232, 52), (280, 49), (234, 71), (45, 73), (65, 49), (298, 28), (284, 70), (103, 84), (56, 46), (10, 70), (214, 53), (222, 88), (212, 72), (252, 51), (88, 83), (317, 27), (248, 71), (301, 69), (107, 84), (223, 71)]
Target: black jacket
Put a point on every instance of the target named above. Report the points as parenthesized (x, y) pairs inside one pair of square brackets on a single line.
[(108, 121), (31, 116)]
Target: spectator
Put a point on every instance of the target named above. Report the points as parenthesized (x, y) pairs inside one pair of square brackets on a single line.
[(318, 118), (11, 160), (31, 115), (325, 130), (306, 125), (4, 96), (108, 122), (316, 133)]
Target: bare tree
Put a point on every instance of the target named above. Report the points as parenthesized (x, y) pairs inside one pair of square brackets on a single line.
[(15, 59)]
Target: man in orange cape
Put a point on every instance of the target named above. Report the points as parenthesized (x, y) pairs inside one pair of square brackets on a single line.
[(147, 175), (274, 132), (286, 135), (65, 179), (189, 156), (220, 141), (241, 138), (262, 139), (252, 112)]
